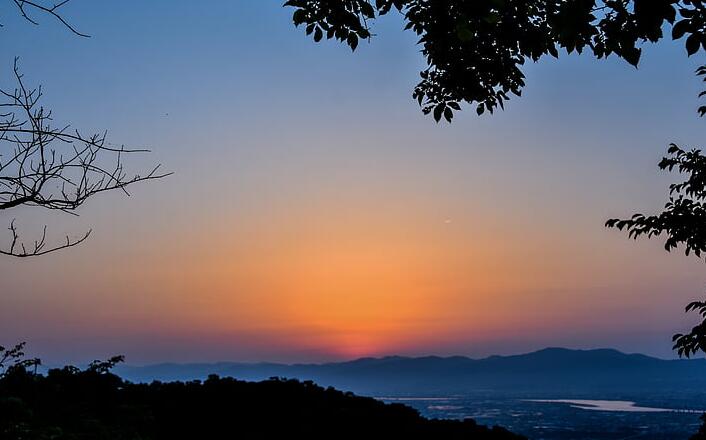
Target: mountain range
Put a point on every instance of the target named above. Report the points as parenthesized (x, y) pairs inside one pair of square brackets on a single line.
[(548, 371)]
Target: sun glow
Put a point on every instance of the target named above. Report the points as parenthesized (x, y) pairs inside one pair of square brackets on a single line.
[(347, 281)]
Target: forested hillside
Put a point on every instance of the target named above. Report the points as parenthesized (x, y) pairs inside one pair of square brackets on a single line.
[(95, 404)]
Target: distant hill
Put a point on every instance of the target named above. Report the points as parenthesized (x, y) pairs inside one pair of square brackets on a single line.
[(547, 371), (70, 404)]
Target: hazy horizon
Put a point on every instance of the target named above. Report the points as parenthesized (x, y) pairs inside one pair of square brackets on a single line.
[(315, 214), (419, 356)]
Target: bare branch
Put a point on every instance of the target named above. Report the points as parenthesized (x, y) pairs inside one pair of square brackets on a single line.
[(53, 168), (39, 247), (54, 10)]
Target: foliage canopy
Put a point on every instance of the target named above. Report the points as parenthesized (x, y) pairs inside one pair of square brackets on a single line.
[(475, 50)]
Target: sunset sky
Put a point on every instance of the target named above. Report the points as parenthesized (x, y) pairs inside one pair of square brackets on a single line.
[(315, 214)]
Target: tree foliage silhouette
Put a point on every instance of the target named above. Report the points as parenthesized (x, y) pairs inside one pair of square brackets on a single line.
[(48, 167), (12, 359), (475, 50), (682, 223)]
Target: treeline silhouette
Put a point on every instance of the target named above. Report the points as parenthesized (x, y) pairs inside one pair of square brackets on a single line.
[(70, 403)]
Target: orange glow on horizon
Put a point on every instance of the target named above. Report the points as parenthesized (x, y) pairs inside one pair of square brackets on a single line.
[(342, 276)]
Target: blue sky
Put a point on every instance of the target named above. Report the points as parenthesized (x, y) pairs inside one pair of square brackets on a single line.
[(273, 138)]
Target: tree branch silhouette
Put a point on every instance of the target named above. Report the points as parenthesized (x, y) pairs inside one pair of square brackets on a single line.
[(53, 168), (27, 7)]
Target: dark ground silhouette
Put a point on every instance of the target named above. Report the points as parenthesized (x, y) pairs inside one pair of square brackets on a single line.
[(95, 404)]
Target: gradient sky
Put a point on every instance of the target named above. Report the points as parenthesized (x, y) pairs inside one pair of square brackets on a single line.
[(315, 214)]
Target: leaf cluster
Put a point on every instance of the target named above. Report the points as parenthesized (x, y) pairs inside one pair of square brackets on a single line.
[(475, 50), (691, 343), (684, 216)]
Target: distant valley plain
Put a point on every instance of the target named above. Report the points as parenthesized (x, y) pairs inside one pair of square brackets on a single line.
[(565, 420)]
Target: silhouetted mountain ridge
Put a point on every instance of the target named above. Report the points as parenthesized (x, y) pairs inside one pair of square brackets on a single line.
[(545, 370)]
